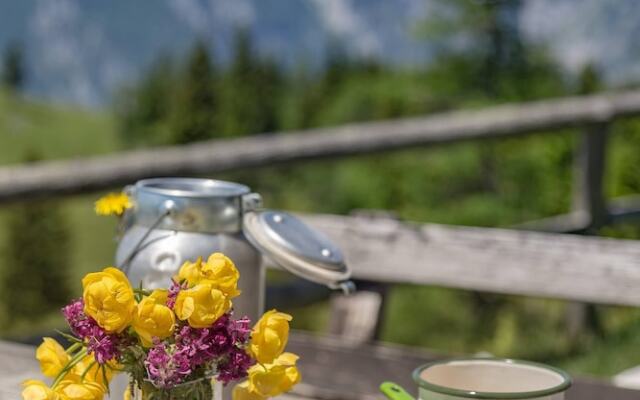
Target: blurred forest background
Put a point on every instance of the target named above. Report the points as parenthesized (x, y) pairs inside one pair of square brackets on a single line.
[(47, 246)]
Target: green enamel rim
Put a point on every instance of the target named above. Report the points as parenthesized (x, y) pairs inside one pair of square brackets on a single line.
[(490, 395)]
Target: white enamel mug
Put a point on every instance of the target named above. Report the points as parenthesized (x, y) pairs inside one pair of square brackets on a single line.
[(484, 378)]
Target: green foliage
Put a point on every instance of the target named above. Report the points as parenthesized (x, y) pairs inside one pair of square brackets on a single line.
[(143, 110), (35, 280), (194, 112), (13, 74), (250, 91)]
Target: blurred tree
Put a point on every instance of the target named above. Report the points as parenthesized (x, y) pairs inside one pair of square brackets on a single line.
[(13, 75), (337, 66), (143, 110), (36, 273), (479, 42), (252, 90), (195, 110), (589, 80)]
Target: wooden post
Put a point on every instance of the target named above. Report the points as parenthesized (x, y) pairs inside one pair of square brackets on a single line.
[(589, 204), (588, 193)]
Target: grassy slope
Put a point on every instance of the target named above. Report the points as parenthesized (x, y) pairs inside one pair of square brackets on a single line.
[(51, 131), (30, 128)]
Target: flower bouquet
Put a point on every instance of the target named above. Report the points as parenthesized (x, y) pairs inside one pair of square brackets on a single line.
[(172, 343)]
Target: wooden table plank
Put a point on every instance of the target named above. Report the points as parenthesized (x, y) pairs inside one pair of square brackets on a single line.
[(17, 363), (331, 370)]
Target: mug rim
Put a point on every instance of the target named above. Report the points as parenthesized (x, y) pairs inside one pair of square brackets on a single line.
[(564, 385)]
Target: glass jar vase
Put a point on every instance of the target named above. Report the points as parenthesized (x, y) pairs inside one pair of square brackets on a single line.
[(199, 389)]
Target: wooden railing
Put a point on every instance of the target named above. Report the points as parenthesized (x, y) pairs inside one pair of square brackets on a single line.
[(382, 250), (505, 261), (591, 113)]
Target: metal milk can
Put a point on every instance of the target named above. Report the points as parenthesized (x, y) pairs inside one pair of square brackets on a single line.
[(178, 219)]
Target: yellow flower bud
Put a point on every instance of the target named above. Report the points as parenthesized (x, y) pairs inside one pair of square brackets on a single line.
[(241, 392), (37, 390), (69, 390), (52, 357), (269, 336), (219, 271), (274, 379), (201, 305), (113, 204), (108, 298), (191, 272), (153, 318)]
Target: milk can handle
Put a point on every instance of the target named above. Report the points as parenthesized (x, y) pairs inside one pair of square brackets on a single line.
[(167, 208)]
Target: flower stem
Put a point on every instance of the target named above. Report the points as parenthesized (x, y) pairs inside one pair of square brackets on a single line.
[(72, 363), (73, 348)]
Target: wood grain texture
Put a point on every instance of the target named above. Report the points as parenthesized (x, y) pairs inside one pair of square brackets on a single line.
[(572, 267), (17, 364), (331, 370), (89, 174)]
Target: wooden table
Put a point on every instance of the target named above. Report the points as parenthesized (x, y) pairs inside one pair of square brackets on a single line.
[(331, 369)]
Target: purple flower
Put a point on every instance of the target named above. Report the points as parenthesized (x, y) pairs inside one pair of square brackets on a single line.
[(167, 365), (235, 366), (103, 345), (202, 345), (174, 289), (81, 324), (240, 330), (222, 345)]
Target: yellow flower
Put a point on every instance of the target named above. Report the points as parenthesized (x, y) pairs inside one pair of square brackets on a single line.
[(241, 392), (52, 357), (201, 305), (37, 390), (113, 204), (87, 390), (223, 273), (153, 318), (274, 379), (219, 270), (108, 298), (269, 336), (191, 272)]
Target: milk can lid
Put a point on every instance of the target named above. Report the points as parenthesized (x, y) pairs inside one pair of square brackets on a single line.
[(297, 248)]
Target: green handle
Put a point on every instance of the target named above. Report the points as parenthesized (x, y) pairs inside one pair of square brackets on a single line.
[(394, 391)]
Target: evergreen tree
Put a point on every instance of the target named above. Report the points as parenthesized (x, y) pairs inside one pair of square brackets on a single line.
[(252, 90), (13, 75), (36, 265), (589, 80), (144, 110), (337, 66), (483, 38), (196, 104)]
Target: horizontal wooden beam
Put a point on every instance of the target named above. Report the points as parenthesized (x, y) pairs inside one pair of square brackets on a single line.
[(571, 267), (624, 209), (618, 211), (89, 174)]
